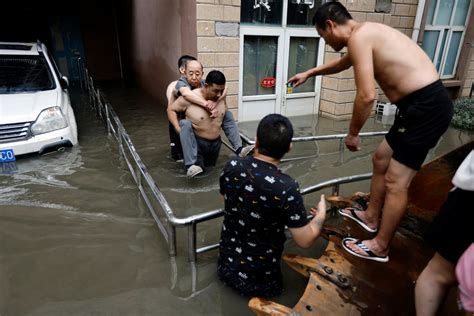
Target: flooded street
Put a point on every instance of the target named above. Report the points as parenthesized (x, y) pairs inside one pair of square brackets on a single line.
[(76, 238)]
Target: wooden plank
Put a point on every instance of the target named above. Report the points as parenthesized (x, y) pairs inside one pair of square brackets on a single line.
[(322, 297), (373, 287), (262, 307)]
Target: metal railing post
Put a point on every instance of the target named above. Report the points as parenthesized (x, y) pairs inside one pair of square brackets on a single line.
[(172, 240), (88, 83), (101, 105), (120, 138), (341, 150), (79, 71), (107, 117), (192, 242), (139, 176), (96, 95)]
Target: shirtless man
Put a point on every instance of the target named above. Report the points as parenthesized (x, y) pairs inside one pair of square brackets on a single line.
[(408, 78), (203, 149)]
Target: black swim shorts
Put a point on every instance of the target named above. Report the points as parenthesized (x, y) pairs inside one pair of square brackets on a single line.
[(451, 231), (422, 117)]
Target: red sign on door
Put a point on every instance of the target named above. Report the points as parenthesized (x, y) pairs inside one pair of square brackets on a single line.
[(268, 82)]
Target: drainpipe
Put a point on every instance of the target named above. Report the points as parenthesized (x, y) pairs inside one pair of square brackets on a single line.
[(418, 18)]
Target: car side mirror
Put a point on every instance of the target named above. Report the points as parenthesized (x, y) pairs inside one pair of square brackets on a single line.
[(64, 81)]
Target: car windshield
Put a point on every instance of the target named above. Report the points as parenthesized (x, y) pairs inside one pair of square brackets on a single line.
[(24, 74)]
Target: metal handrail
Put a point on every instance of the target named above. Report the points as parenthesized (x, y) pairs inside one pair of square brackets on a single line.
[(341, 138), (335, 183), (142, 176), (318, 137)]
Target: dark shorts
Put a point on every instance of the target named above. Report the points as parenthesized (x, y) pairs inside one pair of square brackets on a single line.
[(422, 117), (451, 232), (208, 151)]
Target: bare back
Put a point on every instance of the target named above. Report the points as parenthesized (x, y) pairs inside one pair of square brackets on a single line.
[(400, 66), (170, 92)]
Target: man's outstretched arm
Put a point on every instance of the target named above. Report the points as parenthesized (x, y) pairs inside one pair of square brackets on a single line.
[(331, 67)]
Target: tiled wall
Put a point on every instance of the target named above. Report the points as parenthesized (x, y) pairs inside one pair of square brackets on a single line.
[(218, 42)]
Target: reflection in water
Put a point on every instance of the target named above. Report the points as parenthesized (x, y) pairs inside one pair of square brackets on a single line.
[(45, 171), (77, 239), (211, 188), (48, 169)]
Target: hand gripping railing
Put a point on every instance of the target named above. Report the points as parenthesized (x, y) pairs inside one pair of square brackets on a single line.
[(144, 179)]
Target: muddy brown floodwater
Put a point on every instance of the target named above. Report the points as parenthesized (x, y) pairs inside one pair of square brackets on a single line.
[(77, 239)]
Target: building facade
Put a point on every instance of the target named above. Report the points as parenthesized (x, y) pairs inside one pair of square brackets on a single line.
[(259, 44)]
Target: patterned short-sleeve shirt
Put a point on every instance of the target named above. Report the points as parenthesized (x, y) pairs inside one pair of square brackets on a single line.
[(260, 201)]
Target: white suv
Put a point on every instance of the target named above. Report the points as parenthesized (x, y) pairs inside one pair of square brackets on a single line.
[(35, 109)]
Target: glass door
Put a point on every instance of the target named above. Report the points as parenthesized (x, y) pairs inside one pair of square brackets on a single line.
[(278, 40), (303, 51), (261, 73)]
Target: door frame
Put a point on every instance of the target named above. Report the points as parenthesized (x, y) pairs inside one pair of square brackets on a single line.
[(283, 33), (261, 31)]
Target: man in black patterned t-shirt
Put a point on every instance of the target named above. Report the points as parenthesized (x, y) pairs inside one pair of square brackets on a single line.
[(260, 201)]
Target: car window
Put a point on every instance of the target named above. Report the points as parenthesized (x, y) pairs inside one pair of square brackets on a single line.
[(24, 74)]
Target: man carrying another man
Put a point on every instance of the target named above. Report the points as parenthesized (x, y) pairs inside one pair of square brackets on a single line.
[(409, 79), (191, 78), (199, 132)]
